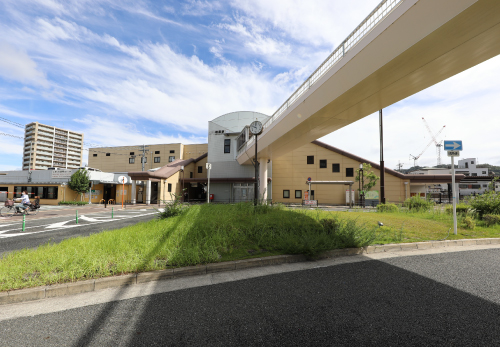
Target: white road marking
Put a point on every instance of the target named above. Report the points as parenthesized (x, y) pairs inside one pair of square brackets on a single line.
[(62, 225), (57, 225)]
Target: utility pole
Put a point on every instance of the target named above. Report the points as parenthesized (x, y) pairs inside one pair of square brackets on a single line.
[(400, 166), (144, 151), (382, 168)]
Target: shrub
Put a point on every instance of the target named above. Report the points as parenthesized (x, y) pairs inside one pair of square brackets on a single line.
[(461, 209), (347, 233), (416, 203), (469, 223), (173, 208), (487, 203), (491, 219), (387, 208), (80, 203)]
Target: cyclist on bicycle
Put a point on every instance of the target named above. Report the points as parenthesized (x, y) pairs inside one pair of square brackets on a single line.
[(25, 201)]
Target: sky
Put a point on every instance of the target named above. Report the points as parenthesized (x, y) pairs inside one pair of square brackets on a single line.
[(135, 72)]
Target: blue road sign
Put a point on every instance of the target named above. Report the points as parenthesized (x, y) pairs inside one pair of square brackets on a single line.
[(309, 179), (453, 146)]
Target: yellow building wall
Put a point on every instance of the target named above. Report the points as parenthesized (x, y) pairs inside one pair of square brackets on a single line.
[(290, 172), (194, 150), (118, 159)]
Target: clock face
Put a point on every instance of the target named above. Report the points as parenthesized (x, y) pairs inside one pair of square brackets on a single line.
[(256, 127)]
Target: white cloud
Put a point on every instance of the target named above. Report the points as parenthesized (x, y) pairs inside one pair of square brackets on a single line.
[(314, 23), (200, 7), (126, 133), (17, 66)]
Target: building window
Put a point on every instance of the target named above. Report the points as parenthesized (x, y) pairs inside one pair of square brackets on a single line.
[(191, 174), (466, 165), (171, 158), (349, 172), (169, 187), (131, 160), (144, 159), (227, 145), (286, 194), (157, 159), (132, 153), (108, 154), (472, 162), (483, 172), (312, 195), (485, 185), (474, 174), (94, 155), (200, 169), (41, 192), (335, 167), (298, 194), (172, 151), (322, 163), (157, 152), (310, 159)]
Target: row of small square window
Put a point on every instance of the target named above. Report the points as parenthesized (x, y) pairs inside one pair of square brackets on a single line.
[(298, 194), (349, 171), (155, 159), (133, 153)]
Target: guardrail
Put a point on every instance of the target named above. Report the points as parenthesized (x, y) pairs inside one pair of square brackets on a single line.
[(372, 20)]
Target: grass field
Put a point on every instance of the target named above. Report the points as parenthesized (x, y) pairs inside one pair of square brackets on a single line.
[(213, 233)]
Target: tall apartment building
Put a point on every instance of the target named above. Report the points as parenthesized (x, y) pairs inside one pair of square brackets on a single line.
[(47, 146)]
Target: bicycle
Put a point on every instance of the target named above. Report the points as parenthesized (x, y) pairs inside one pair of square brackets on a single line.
[(9, 209)]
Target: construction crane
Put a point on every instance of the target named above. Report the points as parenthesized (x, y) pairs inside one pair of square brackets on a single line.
[(438, 145)]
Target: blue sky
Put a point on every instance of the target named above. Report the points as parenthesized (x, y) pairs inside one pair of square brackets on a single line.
[(142, 72)]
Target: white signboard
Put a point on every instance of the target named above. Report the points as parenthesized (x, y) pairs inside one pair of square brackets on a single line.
[(65, 173), (311, 202), (122, 179), (453, 153)]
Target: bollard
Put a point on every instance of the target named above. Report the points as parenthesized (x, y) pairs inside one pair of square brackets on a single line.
[(112, 210), (76, 216), (24, 222)]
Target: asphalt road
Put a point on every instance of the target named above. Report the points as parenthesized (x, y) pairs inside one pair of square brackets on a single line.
[(55, 229), (448, 299)]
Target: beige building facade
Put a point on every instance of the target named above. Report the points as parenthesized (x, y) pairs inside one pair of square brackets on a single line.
[(323, 162), (130, 158), (46, 146)]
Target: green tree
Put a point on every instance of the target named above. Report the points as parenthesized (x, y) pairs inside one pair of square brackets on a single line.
[(492, 184), (369, 177), (79, 182)]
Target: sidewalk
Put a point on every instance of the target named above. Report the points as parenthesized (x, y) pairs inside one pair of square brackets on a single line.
[(75, 294)]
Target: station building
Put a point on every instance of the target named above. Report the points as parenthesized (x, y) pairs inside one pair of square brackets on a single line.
[(284, 179)]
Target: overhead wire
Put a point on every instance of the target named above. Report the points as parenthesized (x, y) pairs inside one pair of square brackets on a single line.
[(83, 149)]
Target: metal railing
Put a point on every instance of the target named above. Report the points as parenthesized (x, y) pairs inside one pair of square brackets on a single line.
[(372, 20)]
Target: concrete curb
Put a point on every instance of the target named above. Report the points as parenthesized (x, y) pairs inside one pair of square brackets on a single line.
[(30, 294)]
